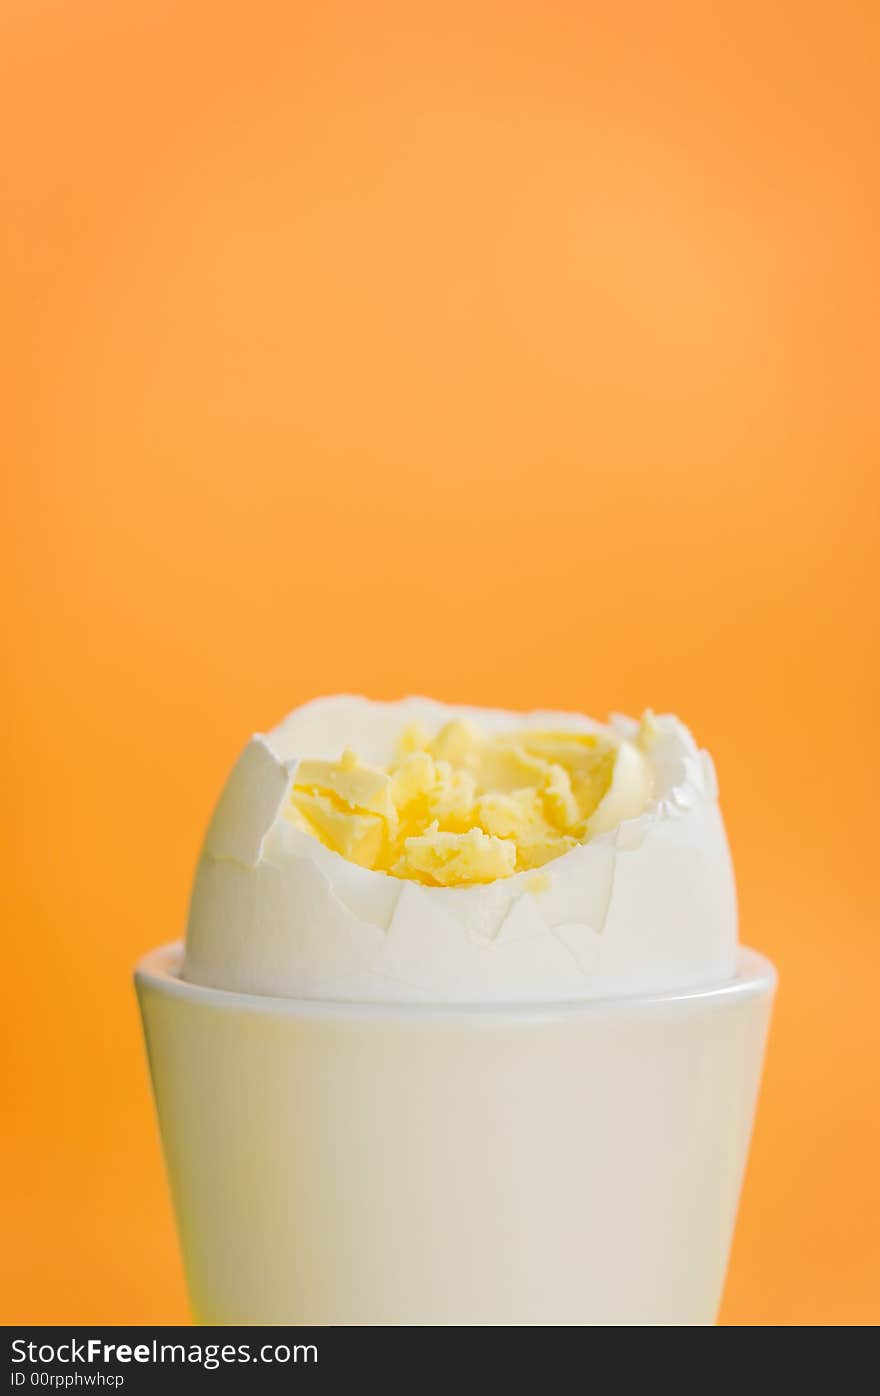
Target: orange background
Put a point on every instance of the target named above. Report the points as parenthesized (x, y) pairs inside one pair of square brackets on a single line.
[(518, 352)]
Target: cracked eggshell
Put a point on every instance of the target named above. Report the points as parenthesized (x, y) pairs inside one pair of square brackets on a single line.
[(648, 905)]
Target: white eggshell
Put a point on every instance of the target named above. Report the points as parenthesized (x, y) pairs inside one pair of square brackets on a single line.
[(648, 905)]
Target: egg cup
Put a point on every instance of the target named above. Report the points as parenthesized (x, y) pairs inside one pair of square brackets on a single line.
[(546, 1164)]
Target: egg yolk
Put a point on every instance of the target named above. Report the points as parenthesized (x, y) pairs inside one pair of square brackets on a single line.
[(464, 807)]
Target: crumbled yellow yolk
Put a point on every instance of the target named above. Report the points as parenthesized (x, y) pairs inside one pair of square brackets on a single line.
[(462, 807)]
